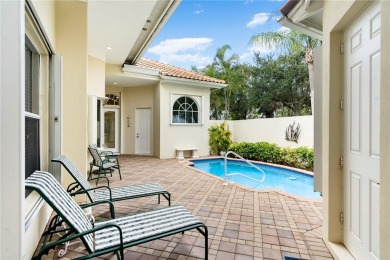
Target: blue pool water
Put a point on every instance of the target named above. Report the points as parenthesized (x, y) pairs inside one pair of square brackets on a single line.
[(286, 180)]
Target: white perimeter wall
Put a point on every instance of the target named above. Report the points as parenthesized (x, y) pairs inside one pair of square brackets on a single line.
[(271, 130)]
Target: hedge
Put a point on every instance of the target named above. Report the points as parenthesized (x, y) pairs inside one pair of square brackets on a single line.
[(301, 157)]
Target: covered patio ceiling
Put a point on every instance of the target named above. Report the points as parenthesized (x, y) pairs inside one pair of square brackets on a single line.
[(120, 31)]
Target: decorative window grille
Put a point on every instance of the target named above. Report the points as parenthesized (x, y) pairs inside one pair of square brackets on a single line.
[(113, 99), (185, 111)]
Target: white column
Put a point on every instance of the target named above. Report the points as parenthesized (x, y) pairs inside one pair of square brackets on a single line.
[(12, 129)]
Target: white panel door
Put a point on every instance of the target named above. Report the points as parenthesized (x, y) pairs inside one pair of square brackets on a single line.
[(143, 131), (361, 134)]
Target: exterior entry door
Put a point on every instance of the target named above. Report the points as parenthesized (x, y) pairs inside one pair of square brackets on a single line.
[(361, 134), (111, 129), (143, 131)]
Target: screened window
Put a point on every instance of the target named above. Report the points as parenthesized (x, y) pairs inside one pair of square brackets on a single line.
[(32, 117), (185, 111)]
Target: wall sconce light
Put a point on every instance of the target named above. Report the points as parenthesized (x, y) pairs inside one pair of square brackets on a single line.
[(128, 121)]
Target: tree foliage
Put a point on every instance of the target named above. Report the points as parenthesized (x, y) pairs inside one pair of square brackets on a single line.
[(290, 41), (274, 86), (230, 102), (280, 86)]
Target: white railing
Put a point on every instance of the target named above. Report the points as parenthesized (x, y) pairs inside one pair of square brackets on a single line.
[(240, 174)]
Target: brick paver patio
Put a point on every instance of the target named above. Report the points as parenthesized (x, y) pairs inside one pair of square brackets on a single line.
[(242, 223)]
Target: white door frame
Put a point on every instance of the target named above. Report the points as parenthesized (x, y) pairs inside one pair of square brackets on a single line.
[(142, 134), (117, 127)]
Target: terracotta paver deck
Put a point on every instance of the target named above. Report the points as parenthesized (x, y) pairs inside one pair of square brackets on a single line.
[(242, 223)]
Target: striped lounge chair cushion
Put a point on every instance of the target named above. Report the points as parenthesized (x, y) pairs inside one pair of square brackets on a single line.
[(145, 225), (64, 205), (134, 191)]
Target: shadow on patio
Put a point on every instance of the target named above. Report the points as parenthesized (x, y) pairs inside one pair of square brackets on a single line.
[(243, 224)]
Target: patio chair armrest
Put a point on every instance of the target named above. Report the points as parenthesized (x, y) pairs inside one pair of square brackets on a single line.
[(46, 249), (91, 189), (107, 153), (112, 208), (73, 186), (102, 177)]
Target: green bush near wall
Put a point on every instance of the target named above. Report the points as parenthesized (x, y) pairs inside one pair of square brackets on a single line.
[(301, 157)]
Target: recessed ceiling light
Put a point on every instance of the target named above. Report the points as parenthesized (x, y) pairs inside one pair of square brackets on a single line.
[(109, 48), (115, 83)]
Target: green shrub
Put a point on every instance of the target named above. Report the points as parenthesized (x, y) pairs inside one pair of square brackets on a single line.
[(301, 157), (219, 138)]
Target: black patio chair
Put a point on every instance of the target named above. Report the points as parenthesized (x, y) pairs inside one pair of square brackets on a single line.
[(105, 164)]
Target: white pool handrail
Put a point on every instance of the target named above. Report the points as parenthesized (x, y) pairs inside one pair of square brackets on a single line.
[(245, 160)]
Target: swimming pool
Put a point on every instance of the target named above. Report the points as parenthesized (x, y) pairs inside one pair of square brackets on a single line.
[(286, 180)]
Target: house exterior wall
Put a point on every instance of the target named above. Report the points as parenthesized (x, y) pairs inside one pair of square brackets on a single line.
[(12, 143), (338, 15), (271, 130), (156, 121), (182, 136), (131, 99), (65, 23), (46, 11), (96, 77), (71, 39)]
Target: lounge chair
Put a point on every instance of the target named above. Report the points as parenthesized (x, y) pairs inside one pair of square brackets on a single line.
[(81, 185), (111, 235), (106, 164)]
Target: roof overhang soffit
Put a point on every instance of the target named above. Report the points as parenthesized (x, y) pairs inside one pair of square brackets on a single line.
[(305, 16), (179, 82)]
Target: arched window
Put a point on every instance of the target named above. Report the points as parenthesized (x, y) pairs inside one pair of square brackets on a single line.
[(113, 99), (185, 111)]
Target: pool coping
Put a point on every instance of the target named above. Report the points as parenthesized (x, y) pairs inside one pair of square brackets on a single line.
[(188, 163)]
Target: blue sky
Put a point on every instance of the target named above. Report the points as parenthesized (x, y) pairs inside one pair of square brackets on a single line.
[(197, 28)]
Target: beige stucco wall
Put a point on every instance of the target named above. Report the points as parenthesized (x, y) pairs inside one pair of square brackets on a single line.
[(131, 99), (337, 16), (71, 39), (46, 11), (96, 76), (38, 223), (271, 130), (182, 136), (156, 121)]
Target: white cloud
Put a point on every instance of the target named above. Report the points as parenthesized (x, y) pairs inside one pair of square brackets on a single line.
[(261, 49), (183, 51), (276, 17), (283, 30), (186, 58), (258, 19), (198, 9), (173, 46)]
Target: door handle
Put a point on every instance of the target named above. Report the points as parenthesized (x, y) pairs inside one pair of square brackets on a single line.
[(137, 135)]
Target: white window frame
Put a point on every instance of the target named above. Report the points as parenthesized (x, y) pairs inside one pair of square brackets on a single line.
[(199, 102)]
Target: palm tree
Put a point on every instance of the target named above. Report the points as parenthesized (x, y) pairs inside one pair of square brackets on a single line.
[(291, 41), (226, 69)]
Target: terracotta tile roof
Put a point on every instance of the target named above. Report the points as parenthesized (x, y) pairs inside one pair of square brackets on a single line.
[(288, 6), (168, 70)]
